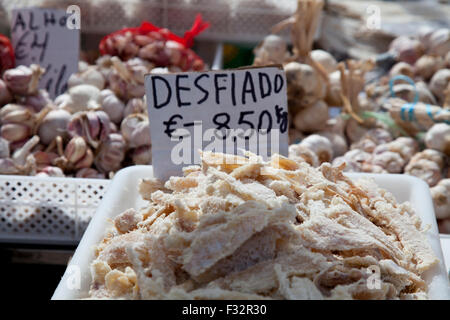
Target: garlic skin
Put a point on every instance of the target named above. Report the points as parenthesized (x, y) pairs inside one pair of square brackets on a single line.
[(23, 80), (135, 130), (82, 97), (379, 136), (365, 144), (50, 171), (354, 160), (93, 126), (4, 148), (439, 42), (426, 170), (441, 199), (89, 173), (90, 75), (427, 66), (312, 118), (431, 155), (301, 153), (273, 49), (320, 145), (303, 85), (7, 166), (406, 147), (447, 59), (338, 142), (54, 124), (407, 49), (439, 82), (402, 68), (111, 153), (112, 105), (325, 59), (5, 94), (135, 105), (390, 161), (142, 155), (438, 138)]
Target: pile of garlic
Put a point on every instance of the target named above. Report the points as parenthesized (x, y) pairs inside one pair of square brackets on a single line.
[(99, 125)]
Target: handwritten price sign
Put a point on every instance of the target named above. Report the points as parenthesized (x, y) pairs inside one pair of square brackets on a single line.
[(221, 111), (41, 36)]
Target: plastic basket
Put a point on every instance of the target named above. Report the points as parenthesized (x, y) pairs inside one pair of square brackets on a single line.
[(47, 210), (123, 194)]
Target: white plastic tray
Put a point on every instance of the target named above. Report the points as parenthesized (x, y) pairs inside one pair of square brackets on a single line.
[(47, 210), (122, 194)]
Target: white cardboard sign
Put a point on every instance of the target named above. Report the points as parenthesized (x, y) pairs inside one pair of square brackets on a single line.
[(221, 111), (41, 36)]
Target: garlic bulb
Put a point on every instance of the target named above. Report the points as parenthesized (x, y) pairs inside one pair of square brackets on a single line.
[(142, 155), (408, 93), (431, 155), (390, 161), (312, 118), (424, 169), (439, 43), (354, 160), (135, 105), (439, 83), (438, 138), (338, 142), (23, 80), (94, 126), (320, 145), (135, 129), (428, 65), (82, 97), (111, 153), (402, 68), (112, 105), (325, 59), (272, 50), (407, 49), (54, 124), (90, 76), (441, 199), (17, 122), (303, 85)]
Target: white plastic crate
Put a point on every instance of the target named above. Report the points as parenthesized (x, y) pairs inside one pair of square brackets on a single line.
[(123, 194), (47, 210), (231, 20)]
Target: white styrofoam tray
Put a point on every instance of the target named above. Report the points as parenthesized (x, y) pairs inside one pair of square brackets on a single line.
[(122, 194), (47, 210)]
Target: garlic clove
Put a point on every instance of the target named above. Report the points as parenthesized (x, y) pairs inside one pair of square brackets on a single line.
[(75, 149), (112, 105), (50, 171), (7, 166), (14, 132), (86, 161), (5, 94)]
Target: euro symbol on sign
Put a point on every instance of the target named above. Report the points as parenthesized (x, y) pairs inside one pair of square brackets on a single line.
[(171, 123)]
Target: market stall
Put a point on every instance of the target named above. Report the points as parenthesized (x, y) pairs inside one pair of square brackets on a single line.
[(97, 113)]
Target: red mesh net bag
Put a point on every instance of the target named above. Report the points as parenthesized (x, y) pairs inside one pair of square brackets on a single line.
[(157, 45), (7, 60)]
